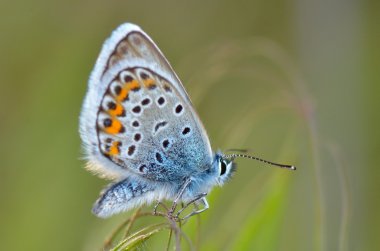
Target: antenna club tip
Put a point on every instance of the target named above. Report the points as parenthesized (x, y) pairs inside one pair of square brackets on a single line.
[(293, 168)]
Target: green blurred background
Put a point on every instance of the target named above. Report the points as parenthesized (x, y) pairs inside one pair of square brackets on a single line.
[(295, 81)]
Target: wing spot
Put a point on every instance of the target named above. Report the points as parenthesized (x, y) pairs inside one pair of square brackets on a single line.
[(107, 122), (137, 137), (131, 150), (161, 101), (186, 130), (136, 109), (145, 101), (160, 124), (144, 76), (135, 123), (117, 90), (111, 105), (167, 88), (165, 143), (178, 109), (115, 148), (142, 168), (159, 158), (127, 79)]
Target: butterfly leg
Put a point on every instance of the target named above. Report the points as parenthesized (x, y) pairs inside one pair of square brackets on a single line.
[(159, 203), (178, 197), (197, 198), (206, 206)]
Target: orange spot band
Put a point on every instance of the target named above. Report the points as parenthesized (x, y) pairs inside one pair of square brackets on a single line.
[(134, 84), (117, 111), (149, 82), (114, 149), (115, 127)]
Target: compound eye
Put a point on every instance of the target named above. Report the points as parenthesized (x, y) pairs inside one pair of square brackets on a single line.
[(223, 167)]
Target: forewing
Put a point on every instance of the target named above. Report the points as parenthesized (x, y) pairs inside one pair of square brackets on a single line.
[(124, 124)]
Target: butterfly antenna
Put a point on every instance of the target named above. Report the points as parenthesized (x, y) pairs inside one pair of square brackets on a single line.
[(236, 155)]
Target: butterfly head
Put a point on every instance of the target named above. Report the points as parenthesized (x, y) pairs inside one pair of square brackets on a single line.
[(223, 168)]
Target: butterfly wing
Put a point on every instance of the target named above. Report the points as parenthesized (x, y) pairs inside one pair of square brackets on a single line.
[(137, 117)]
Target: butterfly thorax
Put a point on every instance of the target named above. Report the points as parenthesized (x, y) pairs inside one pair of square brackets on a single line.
[(218, 173)]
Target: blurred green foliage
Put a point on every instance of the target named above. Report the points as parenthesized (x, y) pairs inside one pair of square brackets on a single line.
[(296, 81)]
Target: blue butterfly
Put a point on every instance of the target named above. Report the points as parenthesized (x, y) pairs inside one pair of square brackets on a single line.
[(140, 129)]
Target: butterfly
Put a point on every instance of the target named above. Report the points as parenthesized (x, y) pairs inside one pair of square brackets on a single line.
[(140, 130)]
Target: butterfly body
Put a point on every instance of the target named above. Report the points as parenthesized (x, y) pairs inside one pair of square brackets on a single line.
[(134, 191), (139, 129)]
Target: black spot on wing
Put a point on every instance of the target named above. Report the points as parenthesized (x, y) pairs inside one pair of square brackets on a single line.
[(145, 101), (137, 137), (128, 79), (160, 124), (159, 158), (135, 123), (136, 109), (186, 130), (131, 150), (178, 109), (165, 143), (142, 168), (161, 100), (107, 122)]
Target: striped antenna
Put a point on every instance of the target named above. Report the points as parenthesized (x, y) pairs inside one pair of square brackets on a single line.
[(236, 155)]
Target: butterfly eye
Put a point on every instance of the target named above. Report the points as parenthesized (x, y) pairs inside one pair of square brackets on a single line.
[(223, 167)]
